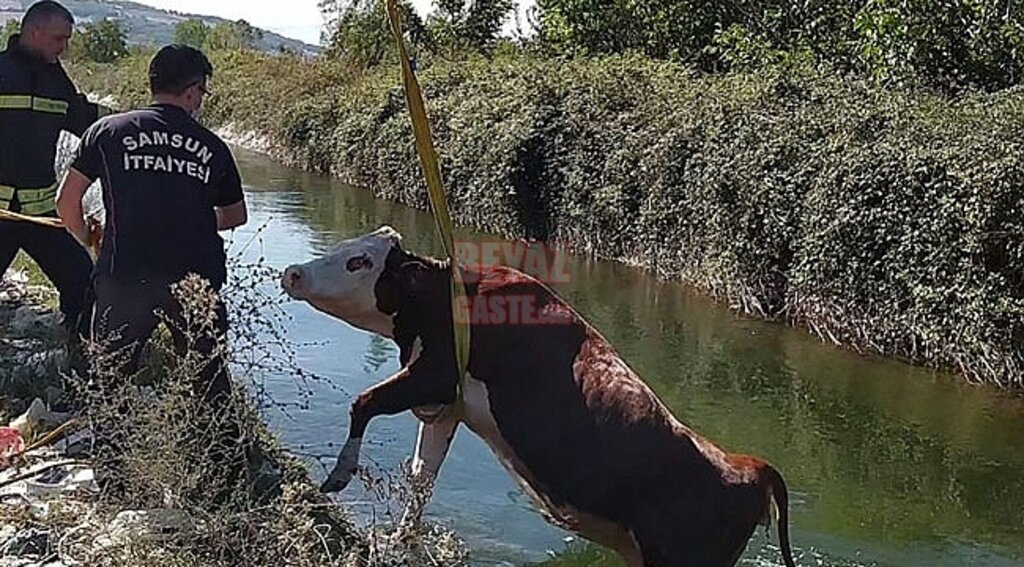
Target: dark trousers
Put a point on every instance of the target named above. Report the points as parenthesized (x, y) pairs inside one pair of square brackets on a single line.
[(60, 257), (126, 314), (123, 320)]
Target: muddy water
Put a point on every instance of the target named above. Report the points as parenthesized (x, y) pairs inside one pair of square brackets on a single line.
[(887, 464)]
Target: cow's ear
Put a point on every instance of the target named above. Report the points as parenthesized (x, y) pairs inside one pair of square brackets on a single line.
[(415, 276)]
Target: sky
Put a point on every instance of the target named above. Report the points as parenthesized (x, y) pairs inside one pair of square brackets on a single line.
[(302, 19)]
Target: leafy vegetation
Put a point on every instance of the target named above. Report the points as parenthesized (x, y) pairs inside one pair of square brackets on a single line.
[(101, 42), (237, 35), (10, 28), (813, 176), (358, 29), (886, 220), (192, 33), (950, 44)]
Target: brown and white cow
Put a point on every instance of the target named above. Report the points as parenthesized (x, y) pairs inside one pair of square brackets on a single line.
[(593, 446)]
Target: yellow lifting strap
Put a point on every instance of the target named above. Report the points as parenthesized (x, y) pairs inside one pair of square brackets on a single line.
[(435, 189)]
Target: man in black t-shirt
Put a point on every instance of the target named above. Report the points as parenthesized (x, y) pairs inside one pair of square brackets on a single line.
[(169, 185)]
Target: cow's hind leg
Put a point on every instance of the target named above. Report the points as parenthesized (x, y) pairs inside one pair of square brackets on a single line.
[(674, 540), (736, 543), (432, 445)]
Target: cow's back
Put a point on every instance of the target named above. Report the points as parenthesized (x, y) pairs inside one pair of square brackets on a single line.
[(592, 435)]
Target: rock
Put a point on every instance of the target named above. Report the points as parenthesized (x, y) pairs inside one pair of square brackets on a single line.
[(28, 319), (32, 420), (57, 482), (27, 542), (14, 278), (7, 531), (63, 477), (152, 525)]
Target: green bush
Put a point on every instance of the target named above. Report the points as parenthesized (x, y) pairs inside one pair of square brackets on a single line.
[(887, 220), (951, 44), (100, 42)]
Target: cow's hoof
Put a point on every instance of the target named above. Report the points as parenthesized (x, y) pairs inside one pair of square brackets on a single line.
[(338, 480)]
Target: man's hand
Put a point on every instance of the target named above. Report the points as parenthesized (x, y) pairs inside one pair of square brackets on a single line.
[(95, 238), (69, 205)]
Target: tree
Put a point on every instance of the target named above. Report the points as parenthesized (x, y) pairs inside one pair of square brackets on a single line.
[(103, 42), (358, 30), (10, 28), (234, 35), (192, 32), (468, 23), (951, 44)]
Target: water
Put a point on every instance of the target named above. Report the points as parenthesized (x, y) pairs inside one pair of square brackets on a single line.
[(887, 464)]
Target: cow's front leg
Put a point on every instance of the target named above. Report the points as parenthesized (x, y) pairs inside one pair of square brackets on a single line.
[(415, 385)]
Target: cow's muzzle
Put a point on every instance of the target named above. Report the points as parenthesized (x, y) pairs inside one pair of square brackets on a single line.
[(293, 281)]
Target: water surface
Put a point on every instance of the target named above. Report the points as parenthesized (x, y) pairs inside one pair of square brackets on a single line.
[(887, 464)]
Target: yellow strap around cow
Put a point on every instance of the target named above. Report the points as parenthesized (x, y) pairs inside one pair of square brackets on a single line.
[(435, 188)]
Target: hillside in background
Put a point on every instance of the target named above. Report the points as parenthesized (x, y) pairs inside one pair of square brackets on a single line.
[(147, 25)]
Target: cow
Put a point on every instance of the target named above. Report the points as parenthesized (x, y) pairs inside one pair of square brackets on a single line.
[(592, 445)]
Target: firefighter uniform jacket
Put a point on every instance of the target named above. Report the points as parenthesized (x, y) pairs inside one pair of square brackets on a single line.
[(37, 101)]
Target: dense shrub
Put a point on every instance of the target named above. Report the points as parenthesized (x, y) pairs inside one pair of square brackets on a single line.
[(888, 220), (950, 44)]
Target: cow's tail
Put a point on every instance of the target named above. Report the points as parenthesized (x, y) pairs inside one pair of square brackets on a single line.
[(779, 497)]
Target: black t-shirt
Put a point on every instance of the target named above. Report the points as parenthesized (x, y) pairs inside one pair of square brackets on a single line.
[(162, 173)]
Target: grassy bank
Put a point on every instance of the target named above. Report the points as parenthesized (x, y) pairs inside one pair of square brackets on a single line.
[(887, 221)]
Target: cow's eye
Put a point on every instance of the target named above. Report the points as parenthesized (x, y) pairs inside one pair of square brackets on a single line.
[(359, 263)]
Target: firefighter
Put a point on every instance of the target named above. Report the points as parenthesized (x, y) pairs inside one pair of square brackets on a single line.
[(170, 185), (37, 102)]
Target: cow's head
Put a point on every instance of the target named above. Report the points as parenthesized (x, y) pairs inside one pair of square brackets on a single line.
[(343, 282), (367, 279)]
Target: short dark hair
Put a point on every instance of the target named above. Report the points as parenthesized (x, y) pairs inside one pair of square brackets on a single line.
[(177, 67), (45, 11)]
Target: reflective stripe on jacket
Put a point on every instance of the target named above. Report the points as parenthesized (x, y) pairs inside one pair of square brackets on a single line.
[(37, 102), (32, 202)]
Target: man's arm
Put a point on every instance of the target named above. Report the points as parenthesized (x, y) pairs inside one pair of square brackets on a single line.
[(69, 204), (229, 202), (231, 216), (81, 112)]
